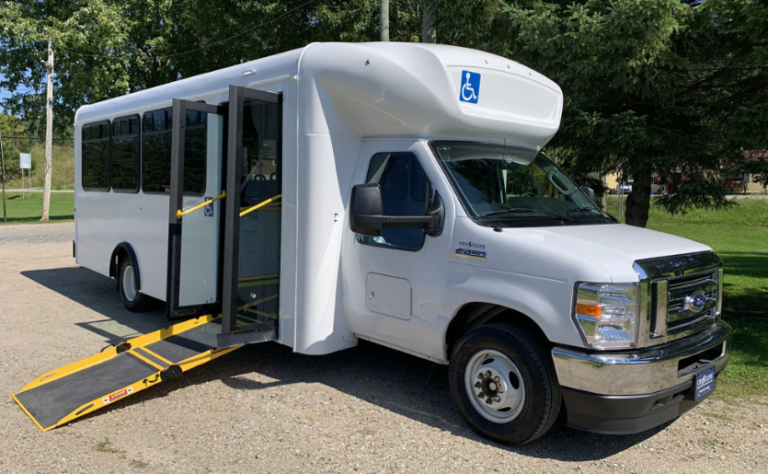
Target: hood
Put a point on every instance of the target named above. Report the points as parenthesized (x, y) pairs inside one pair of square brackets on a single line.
[(614, 247)]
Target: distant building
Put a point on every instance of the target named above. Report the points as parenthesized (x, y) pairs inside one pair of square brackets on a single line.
[(744, 183)]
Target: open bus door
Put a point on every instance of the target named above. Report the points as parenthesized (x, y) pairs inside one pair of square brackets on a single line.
[(251, 253), (231, 264)]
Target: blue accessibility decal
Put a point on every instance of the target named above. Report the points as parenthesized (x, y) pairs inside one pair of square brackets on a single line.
[(208, 209), (470, 87)]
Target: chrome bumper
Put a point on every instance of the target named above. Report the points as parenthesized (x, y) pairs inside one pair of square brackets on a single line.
[(646, 370)]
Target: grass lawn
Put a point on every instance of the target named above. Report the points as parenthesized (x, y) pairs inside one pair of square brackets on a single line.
[(30, 209), (739, 235)]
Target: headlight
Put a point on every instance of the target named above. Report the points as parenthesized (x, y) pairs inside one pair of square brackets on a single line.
[(607, 314)]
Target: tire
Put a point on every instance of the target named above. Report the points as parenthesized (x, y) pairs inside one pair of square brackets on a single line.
[(524, 403), (134, 301)]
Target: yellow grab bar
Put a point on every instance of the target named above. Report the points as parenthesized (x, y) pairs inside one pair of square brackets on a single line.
[(260, 205), (181, 213)]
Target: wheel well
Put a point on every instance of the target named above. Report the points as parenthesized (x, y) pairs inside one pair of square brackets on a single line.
[(122, 251), (114, 263), (472, 315)]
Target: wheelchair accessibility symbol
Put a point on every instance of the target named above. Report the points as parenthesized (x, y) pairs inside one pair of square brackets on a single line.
[(470, 87), (208, 210)]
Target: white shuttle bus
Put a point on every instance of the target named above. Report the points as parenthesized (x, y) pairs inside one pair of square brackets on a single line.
[(397, 193)]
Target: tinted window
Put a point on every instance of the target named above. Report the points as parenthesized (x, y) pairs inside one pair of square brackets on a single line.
[(405, 191), (156, 152), (125, 154), (95, 157), (195, 153)]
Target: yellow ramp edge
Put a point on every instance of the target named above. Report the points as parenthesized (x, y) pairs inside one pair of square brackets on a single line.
[(75, 390)]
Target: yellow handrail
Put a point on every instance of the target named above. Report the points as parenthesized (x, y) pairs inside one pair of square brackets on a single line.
[(260, 205), (181, 213)]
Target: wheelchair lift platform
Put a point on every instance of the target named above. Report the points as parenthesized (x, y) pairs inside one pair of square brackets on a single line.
[(75, 390)]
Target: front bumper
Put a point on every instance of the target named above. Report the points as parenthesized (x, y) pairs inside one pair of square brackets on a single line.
[(630, 392)]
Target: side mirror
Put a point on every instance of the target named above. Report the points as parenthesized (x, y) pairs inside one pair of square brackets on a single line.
[(589, 192), (366, 209), (366, 214)]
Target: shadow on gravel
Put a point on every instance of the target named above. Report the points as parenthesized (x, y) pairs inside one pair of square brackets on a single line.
[(397, 382), (99, 294)]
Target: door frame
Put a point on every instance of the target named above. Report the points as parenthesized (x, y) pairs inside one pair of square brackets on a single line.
[(176, 203), (229, 280)]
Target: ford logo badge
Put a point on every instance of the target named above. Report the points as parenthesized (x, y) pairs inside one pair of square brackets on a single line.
[(696, 301)]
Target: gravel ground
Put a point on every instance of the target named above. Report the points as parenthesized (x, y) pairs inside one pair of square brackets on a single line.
[(264, 409), (37, 234)]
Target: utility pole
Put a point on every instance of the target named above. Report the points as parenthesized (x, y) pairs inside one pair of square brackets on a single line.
[(428, 26), (384, 20), (2, 160), (48, 133)]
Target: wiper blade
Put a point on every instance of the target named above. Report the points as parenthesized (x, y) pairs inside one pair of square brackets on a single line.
[(526, 209), (584, 209), (507, 211)]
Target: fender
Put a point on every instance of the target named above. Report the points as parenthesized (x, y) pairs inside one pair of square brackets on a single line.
[(113, 269)]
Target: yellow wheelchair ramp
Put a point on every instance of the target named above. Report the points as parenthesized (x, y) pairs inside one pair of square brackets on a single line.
[(64, 394)]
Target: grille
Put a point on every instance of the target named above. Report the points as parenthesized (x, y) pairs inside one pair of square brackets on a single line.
[(680, 315)]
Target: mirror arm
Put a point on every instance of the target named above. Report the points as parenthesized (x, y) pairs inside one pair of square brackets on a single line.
[(394, 222)]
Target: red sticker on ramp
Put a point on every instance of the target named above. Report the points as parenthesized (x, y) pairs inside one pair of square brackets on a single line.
[(116, 395)]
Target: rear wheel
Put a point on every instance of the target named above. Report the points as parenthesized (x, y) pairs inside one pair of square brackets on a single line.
[(132, 299), (504, 383)]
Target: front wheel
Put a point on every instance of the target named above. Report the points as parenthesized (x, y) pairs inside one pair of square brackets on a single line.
[(504, 383), (133, 300)]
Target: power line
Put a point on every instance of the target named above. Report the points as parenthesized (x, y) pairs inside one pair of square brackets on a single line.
[(223, 40)]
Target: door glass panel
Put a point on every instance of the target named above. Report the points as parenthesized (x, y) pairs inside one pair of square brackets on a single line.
[(203, 146), (259, 248)]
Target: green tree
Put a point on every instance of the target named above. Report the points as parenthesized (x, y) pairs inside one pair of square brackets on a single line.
[(14, 142)]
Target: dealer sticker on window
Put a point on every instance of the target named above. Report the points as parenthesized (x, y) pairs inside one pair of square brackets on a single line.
[(705, 383)]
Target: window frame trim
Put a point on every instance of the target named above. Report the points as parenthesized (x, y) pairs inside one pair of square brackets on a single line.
[(91, 189), (432, 197), (112, 151)]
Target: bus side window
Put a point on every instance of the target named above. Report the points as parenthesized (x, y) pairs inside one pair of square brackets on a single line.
[(95, 157), (156, 152), (125, 154)]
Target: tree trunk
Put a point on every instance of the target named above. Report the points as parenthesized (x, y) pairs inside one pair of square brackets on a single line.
[(639, 200)]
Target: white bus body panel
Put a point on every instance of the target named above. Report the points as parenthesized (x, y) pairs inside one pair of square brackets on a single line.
[(337, 97)]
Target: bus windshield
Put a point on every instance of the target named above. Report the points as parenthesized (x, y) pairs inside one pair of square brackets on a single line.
[(509, 186)]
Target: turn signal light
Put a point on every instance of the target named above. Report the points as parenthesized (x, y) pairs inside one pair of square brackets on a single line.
[(593, 310)]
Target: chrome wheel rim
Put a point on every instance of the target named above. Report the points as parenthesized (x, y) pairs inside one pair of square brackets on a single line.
[(494, 386), (129, 283)]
